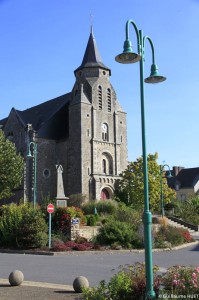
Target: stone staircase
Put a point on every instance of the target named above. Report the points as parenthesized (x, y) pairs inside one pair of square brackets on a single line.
[(194, 232), (177, 225)]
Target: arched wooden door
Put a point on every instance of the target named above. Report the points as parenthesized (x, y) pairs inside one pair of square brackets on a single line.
[(104, 194)]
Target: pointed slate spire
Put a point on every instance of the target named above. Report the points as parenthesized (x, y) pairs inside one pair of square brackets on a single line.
[(92, 57)]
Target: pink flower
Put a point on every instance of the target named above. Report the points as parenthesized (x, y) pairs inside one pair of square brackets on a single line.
[(193, 275), (175, 282), (197, 269)]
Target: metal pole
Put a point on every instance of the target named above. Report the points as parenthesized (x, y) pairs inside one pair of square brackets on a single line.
[(161, 193), (35, 175), (49, 232), (161, 187), (150, 294)]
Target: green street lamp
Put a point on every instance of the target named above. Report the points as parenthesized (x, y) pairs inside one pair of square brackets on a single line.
[(128, 56), (161, 190), (34, 156)]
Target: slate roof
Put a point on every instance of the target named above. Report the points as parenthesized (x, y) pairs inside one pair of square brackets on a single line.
[(92, 57), (188, 177), (49, 119), (39, 115)]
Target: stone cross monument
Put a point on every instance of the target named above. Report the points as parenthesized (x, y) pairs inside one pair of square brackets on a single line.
[(61, 198)]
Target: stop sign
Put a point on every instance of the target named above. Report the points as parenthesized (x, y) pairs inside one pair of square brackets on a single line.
[(50, 208)]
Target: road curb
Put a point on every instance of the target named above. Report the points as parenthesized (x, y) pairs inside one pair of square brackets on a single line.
[(30, 252)]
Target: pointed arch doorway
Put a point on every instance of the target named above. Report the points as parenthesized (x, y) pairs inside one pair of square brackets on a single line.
[(104, 194)]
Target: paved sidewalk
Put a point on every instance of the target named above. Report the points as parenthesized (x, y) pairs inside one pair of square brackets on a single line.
[(36, 290)]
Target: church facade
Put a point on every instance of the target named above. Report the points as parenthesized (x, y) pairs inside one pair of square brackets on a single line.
[(84, 131)]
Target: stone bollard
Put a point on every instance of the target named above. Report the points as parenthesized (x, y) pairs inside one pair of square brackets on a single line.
[(79, 283), (16, 278)]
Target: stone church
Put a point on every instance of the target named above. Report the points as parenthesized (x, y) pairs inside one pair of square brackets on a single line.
[(84, 131)]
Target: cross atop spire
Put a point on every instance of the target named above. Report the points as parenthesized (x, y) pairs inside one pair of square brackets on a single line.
[(91, 22)]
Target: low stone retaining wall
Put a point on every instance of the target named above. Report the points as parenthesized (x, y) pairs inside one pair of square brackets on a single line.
[(87, 232)]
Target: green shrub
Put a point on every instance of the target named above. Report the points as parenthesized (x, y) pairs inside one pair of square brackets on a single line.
[(188, 210), (120, 233), (103, 207), (128, 284), (98, 293), (174, 236), (91, 220), (125, 213), (76, 200), (33, 229), (10, 220), (120, 286), (22, 226)]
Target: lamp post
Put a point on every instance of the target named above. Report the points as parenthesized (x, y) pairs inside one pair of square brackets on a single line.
[(161, 190), (128, 56), (34, 156)]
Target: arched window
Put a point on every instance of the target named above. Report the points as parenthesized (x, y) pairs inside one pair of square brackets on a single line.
[(100, 97), (109, 99), (104, 166), (105, 132), (107, 163)]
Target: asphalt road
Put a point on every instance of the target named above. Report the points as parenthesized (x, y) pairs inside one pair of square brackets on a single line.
[(63, 269)]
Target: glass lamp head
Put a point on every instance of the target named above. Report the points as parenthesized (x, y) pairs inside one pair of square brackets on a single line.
[(128, 56), (169, 174), (29, 155), (154, 76)]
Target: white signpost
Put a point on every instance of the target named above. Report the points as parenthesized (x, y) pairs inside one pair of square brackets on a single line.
[(50, 210)]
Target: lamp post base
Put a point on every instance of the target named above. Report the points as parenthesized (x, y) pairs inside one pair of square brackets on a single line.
[(150, 294)]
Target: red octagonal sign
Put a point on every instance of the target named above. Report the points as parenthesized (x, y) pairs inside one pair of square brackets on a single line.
[(50, 208)]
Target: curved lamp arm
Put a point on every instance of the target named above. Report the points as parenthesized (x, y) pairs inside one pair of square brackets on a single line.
[(152, 47), (136, 30), (162, 167)]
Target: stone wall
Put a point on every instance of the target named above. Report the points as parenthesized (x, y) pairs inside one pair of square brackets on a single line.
[(87, 232)]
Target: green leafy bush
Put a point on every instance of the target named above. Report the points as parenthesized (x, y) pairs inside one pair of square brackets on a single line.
[(189, 210), (92, 220), (33, 229), (103, 207), (10, 220), (126, 214), (128, 284), (174, 236), (22, 226), (120, 233)]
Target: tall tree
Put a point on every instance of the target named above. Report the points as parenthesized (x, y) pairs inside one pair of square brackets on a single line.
[(11, 167), (131, 186)]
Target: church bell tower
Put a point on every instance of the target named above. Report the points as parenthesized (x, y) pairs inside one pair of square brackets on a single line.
[(97, 129)]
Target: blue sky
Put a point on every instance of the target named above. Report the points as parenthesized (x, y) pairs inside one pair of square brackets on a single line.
[(43, 42)]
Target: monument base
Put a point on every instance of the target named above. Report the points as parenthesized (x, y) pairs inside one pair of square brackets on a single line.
[(61, 202)]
